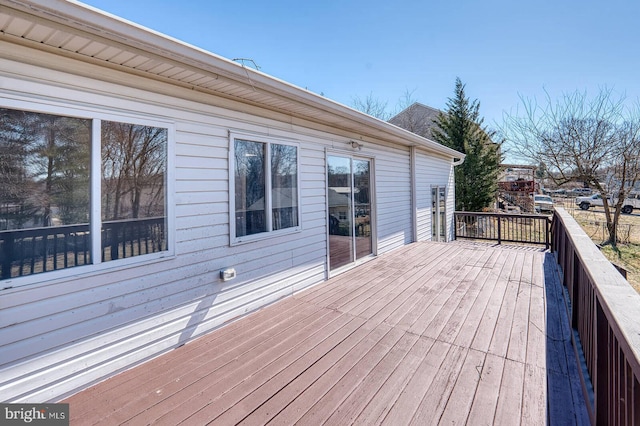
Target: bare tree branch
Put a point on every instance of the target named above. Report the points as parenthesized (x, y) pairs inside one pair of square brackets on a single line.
[(593, 140)]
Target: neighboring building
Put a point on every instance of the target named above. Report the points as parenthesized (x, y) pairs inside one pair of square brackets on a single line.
[(137, 168), (516, 186), (417, 118)]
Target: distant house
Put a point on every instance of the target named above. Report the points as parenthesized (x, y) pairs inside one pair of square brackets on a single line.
[(140, 172), (417, 118)]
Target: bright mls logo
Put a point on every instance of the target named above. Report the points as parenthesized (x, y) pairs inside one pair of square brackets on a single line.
[(35, 414)]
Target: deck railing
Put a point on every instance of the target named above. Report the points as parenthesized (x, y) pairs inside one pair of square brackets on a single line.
[(604, 313), (500, 227), (31, 251)]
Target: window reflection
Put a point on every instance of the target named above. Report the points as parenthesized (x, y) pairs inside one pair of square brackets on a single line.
[(44, 170), (44, 192), (134, 162), (253, 160), (249, 187), (45, 200), (284, 186)]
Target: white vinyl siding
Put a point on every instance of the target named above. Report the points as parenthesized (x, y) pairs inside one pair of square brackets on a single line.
[(393, 198), (61, 334)]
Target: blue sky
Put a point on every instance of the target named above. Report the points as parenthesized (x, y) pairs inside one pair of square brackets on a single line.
[(345, 49)]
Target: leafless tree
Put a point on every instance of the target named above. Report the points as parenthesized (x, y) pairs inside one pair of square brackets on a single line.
[(371, 105), (594, 140)]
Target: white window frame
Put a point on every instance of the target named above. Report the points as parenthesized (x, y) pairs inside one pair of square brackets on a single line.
[(269, 233), (95, 222)]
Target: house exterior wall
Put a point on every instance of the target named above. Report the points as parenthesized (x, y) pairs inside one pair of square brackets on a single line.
[(66, 331), (393, 199)]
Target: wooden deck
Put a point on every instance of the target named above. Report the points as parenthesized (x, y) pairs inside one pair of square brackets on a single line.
[(433, 333)]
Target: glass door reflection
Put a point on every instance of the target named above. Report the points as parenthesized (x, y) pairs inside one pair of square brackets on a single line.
[(340, 213), (362, 207), (349, 215)]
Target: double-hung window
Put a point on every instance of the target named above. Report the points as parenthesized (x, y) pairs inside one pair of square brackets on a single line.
[(79, 191), (264, 187)]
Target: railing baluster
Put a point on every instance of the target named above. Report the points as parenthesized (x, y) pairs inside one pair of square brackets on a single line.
[(75, 249), (45, 240), (55, 251), (34, 245), (20, 250), (65, 245)]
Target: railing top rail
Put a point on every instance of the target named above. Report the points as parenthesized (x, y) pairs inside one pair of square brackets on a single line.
[(48, 230), (136, 219), (493, 214), (619, 301)]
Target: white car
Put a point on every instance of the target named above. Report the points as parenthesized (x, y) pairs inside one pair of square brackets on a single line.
[(542, 203), (586, 202), (630, 203)]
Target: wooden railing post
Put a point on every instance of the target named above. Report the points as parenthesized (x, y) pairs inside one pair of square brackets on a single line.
[(499, 230), (455, 226)]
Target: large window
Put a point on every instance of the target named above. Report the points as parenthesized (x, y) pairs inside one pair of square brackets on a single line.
[(265, 187), (78, 191)]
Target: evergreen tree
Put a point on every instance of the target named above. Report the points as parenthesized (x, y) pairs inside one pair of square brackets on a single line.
[(461, 128)]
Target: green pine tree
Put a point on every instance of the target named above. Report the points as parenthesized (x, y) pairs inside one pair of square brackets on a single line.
[(461, 128)]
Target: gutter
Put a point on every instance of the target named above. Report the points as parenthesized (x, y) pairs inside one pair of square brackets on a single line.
[(459, 161)]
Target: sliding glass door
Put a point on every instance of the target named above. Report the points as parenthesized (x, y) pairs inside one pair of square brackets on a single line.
[(438, 213), (349, 215)]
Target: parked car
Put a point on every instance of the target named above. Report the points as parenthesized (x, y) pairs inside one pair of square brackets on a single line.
[(581, 192), (630, 203), (542, 203), (557, 192), (585, 203)]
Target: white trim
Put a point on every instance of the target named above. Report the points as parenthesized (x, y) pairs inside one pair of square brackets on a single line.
[(414, 194), (268, 199), (269, 233), (95, 195), (88, 112)]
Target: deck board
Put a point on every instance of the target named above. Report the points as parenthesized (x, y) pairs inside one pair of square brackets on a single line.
[(433, 333), (483, 408)]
